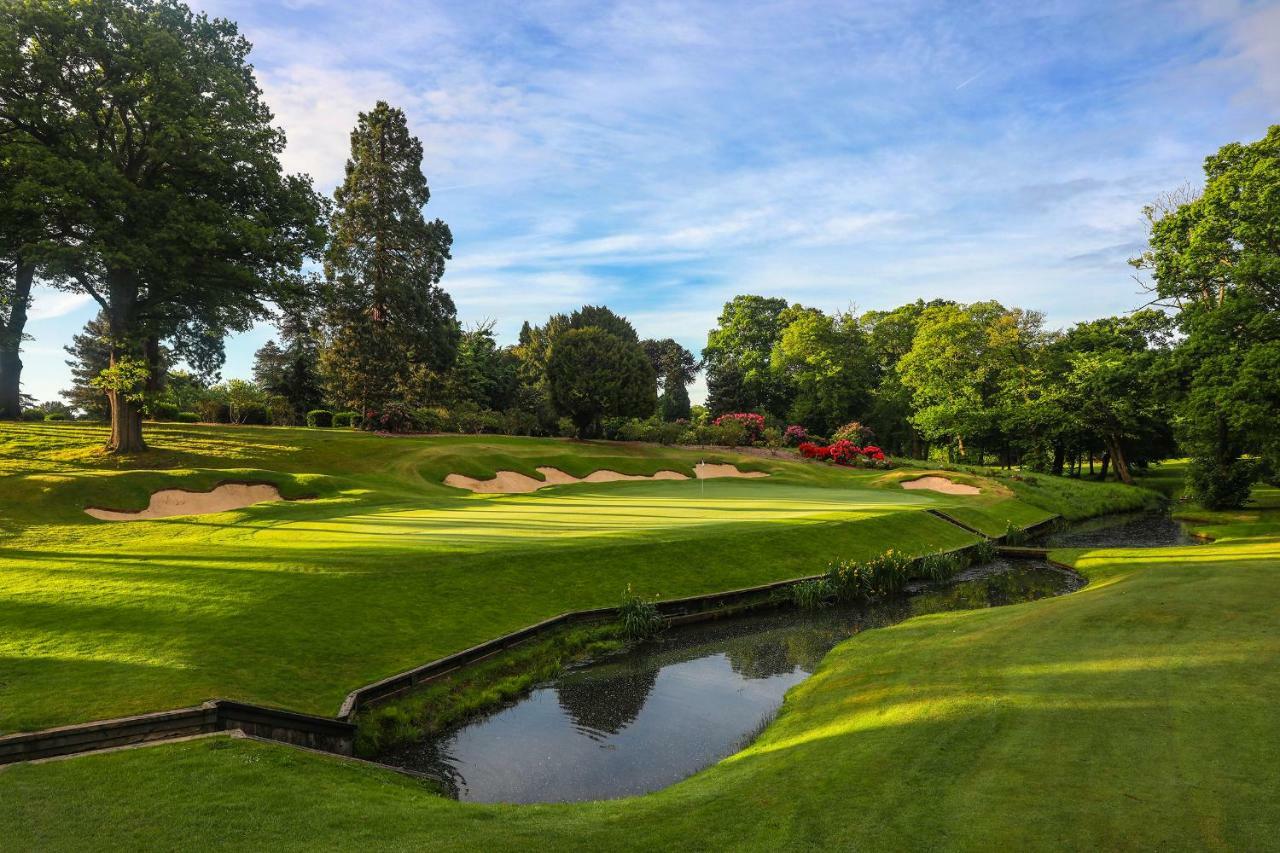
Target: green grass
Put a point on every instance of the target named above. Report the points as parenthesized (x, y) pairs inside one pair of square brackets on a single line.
[(296, 603), (1137, 713)]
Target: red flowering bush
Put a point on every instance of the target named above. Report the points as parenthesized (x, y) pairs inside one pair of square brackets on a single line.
[(845, 452), (753, 423)]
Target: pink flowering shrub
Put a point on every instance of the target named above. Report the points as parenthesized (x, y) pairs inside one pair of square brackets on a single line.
[(753, 424), (795, 435)]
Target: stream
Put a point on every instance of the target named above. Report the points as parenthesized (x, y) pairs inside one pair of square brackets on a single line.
[(646, 718), (1123, 530)]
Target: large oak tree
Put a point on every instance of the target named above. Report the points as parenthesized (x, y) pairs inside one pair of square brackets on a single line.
[(185, 226)]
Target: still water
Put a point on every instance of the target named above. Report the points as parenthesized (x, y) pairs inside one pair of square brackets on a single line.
[(647, 718), (1126, 530)]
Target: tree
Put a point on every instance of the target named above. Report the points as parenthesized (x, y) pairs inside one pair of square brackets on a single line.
[(1216, 259), (90, 353), (291, 372), (391, 327), (601, 317), (674, 404), (484, 374), (827, 361), (185, 226), (890, 336), (675, 367), (594, 374), (738, 358)]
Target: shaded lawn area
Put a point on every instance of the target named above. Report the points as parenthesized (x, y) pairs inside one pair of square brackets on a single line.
[(1137, 713)]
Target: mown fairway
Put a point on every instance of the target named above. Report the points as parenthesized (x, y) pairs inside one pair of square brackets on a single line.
[(294, 604), (1138, 713)]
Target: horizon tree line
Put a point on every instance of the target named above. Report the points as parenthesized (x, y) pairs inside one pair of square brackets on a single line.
[(141, 169)]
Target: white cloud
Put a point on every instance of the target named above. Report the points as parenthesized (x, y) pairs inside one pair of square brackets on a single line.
[(48, 303)]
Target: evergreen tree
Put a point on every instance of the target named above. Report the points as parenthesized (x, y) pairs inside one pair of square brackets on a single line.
[(391, 327), (90, 353), (595, 374)]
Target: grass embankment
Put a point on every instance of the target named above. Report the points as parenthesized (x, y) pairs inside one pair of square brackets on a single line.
[(294, 604), (1137, 713)]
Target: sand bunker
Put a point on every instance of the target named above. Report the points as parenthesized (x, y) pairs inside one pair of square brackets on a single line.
[(941, 484), (511, 482), (170, 502)]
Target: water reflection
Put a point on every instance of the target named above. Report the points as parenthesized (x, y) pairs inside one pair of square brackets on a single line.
[(645, 719), (1127, 530)]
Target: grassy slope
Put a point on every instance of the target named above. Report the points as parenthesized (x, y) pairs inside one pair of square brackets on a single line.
[(1135, 714), (295, 604)]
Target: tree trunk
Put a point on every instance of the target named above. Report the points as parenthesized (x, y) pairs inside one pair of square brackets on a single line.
[(126, 415), (1106, 463), (1090, 463), (1059, 458), (1118, 462), (126, 425), (11, 343)]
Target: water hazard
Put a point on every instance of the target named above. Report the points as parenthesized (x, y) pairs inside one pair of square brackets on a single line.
[(647, 718), (1127, 530)]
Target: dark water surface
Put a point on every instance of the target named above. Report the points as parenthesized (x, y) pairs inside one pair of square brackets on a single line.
[(642, 720), (1127, 530)]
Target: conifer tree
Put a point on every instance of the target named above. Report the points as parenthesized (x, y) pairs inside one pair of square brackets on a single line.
[(390, 324)]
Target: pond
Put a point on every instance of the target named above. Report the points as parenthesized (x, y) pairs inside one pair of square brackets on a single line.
[(1126, 530), (644, 719)]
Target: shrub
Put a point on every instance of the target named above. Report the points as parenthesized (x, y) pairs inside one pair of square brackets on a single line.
[(844, 452), (433, 419), (1014, 535), (728, 434), (752, 426), (280, 411), (1217, 485), (940, 567), (162, 411), (983, 552), (810, 594), (880, 576), (187, 418), (795, 435), (772, 437), (346, 420), (32, 415), (254, 414), (854, 432), (213, 411), (640, 619), (320, 418), (55, 416), (390, 418)]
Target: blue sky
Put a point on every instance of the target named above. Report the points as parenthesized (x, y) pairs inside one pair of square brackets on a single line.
[(661, 158)]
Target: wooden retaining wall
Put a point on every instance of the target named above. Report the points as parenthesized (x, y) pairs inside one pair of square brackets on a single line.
[(217, 715)]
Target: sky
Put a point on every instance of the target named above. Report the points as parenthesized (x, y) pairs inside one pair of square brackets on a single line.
[(662, 158)]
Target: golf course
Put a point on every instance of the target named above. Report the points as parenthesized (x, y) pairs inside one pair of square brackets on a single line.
[(718, 426), (952, 726)]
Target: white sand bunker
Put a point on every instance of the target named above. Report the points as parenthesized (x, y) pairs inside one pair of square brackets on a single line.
[(170, 502), (941, 484), (512, 482)]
